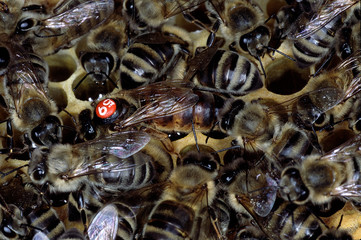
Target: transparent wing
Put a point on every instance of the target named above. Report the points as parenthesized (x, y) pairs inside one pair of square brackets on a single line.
[(81, 14), (160, 100), (177, 6), (347, 190), (110, 153), (200, 61), (40, 236), (22, 77), (326, 14), (218, 5), (263, 199), (345, 151), (310, 105), (105, 224), (121, 144)]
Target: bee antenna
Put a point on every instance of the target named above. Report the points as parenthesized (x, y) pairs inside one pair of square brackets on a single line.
[(110, 79), (283, 54), (225, 149), (214, 125), (325, 63), (11, 171), (195, 135), (260, 62), (81, 80)]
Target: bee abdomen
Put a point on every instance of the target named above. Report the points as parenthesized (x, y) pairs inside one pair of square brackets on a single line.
[(232, 72), (169, 220), (132, 177), (127, 222), (47, 219), (144, 63)]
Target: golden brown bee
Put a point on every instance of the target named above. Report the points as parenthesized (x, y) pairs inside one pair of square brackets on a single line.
[(151, 55), (69, 20), (223, 71), (113, 162), (316, 37), (13, 223), (100, 53), (25, 82), (189, 191), (256, 128), (334, 173)]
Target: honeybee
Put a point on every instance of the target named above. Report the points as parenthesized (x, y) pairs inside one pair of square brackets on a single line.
[(189, 190), (46, 220), (334, 174), (252, 180), (13, 223), (244, 23), (297, 223), (25, 79), (114, 220), (224, 71), (70, 20), (149, 15), (316, 37), (145, 103), (255, 128), (100, 53), (151, 55), (114, 163)]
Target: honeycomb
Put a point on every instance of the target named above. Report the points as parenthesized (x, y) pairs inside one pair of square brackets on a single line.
[(66, 71)]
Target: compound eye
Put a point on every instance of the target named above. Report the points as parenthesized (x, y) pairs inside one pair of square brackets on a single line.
[(4, 58), (208, 165), (25, 25), (39, 174), (7, 231), (188, 160)]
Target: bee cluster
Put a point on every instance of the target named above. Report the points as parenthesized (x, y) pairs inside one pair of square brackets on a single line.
[(176, 119)]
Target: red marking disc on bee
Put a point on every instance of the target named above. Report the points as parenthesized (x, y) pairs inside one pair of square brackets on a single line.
[(106, 108)]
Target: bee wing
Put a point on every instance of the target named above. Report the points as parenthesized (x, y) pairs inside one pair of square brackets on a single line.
[(327, 12), (161, 99), (120, 144), (22, 69), (263, 199), (177, 7), (80, 14), (158, 38), (40, 236), (200, 61), (314, 100), (347, 190), (104, 224), (345, 151), (218, 5)]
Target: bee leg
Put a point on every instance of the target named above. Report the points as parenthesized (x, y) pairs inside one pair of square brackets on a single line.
[(324, 64)]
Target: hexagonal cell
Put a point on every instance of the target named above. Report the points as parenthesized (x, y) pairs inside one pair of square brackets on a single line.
[(61, 67), (335, 139), (91, 89), (285, 78), (59, 96)]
